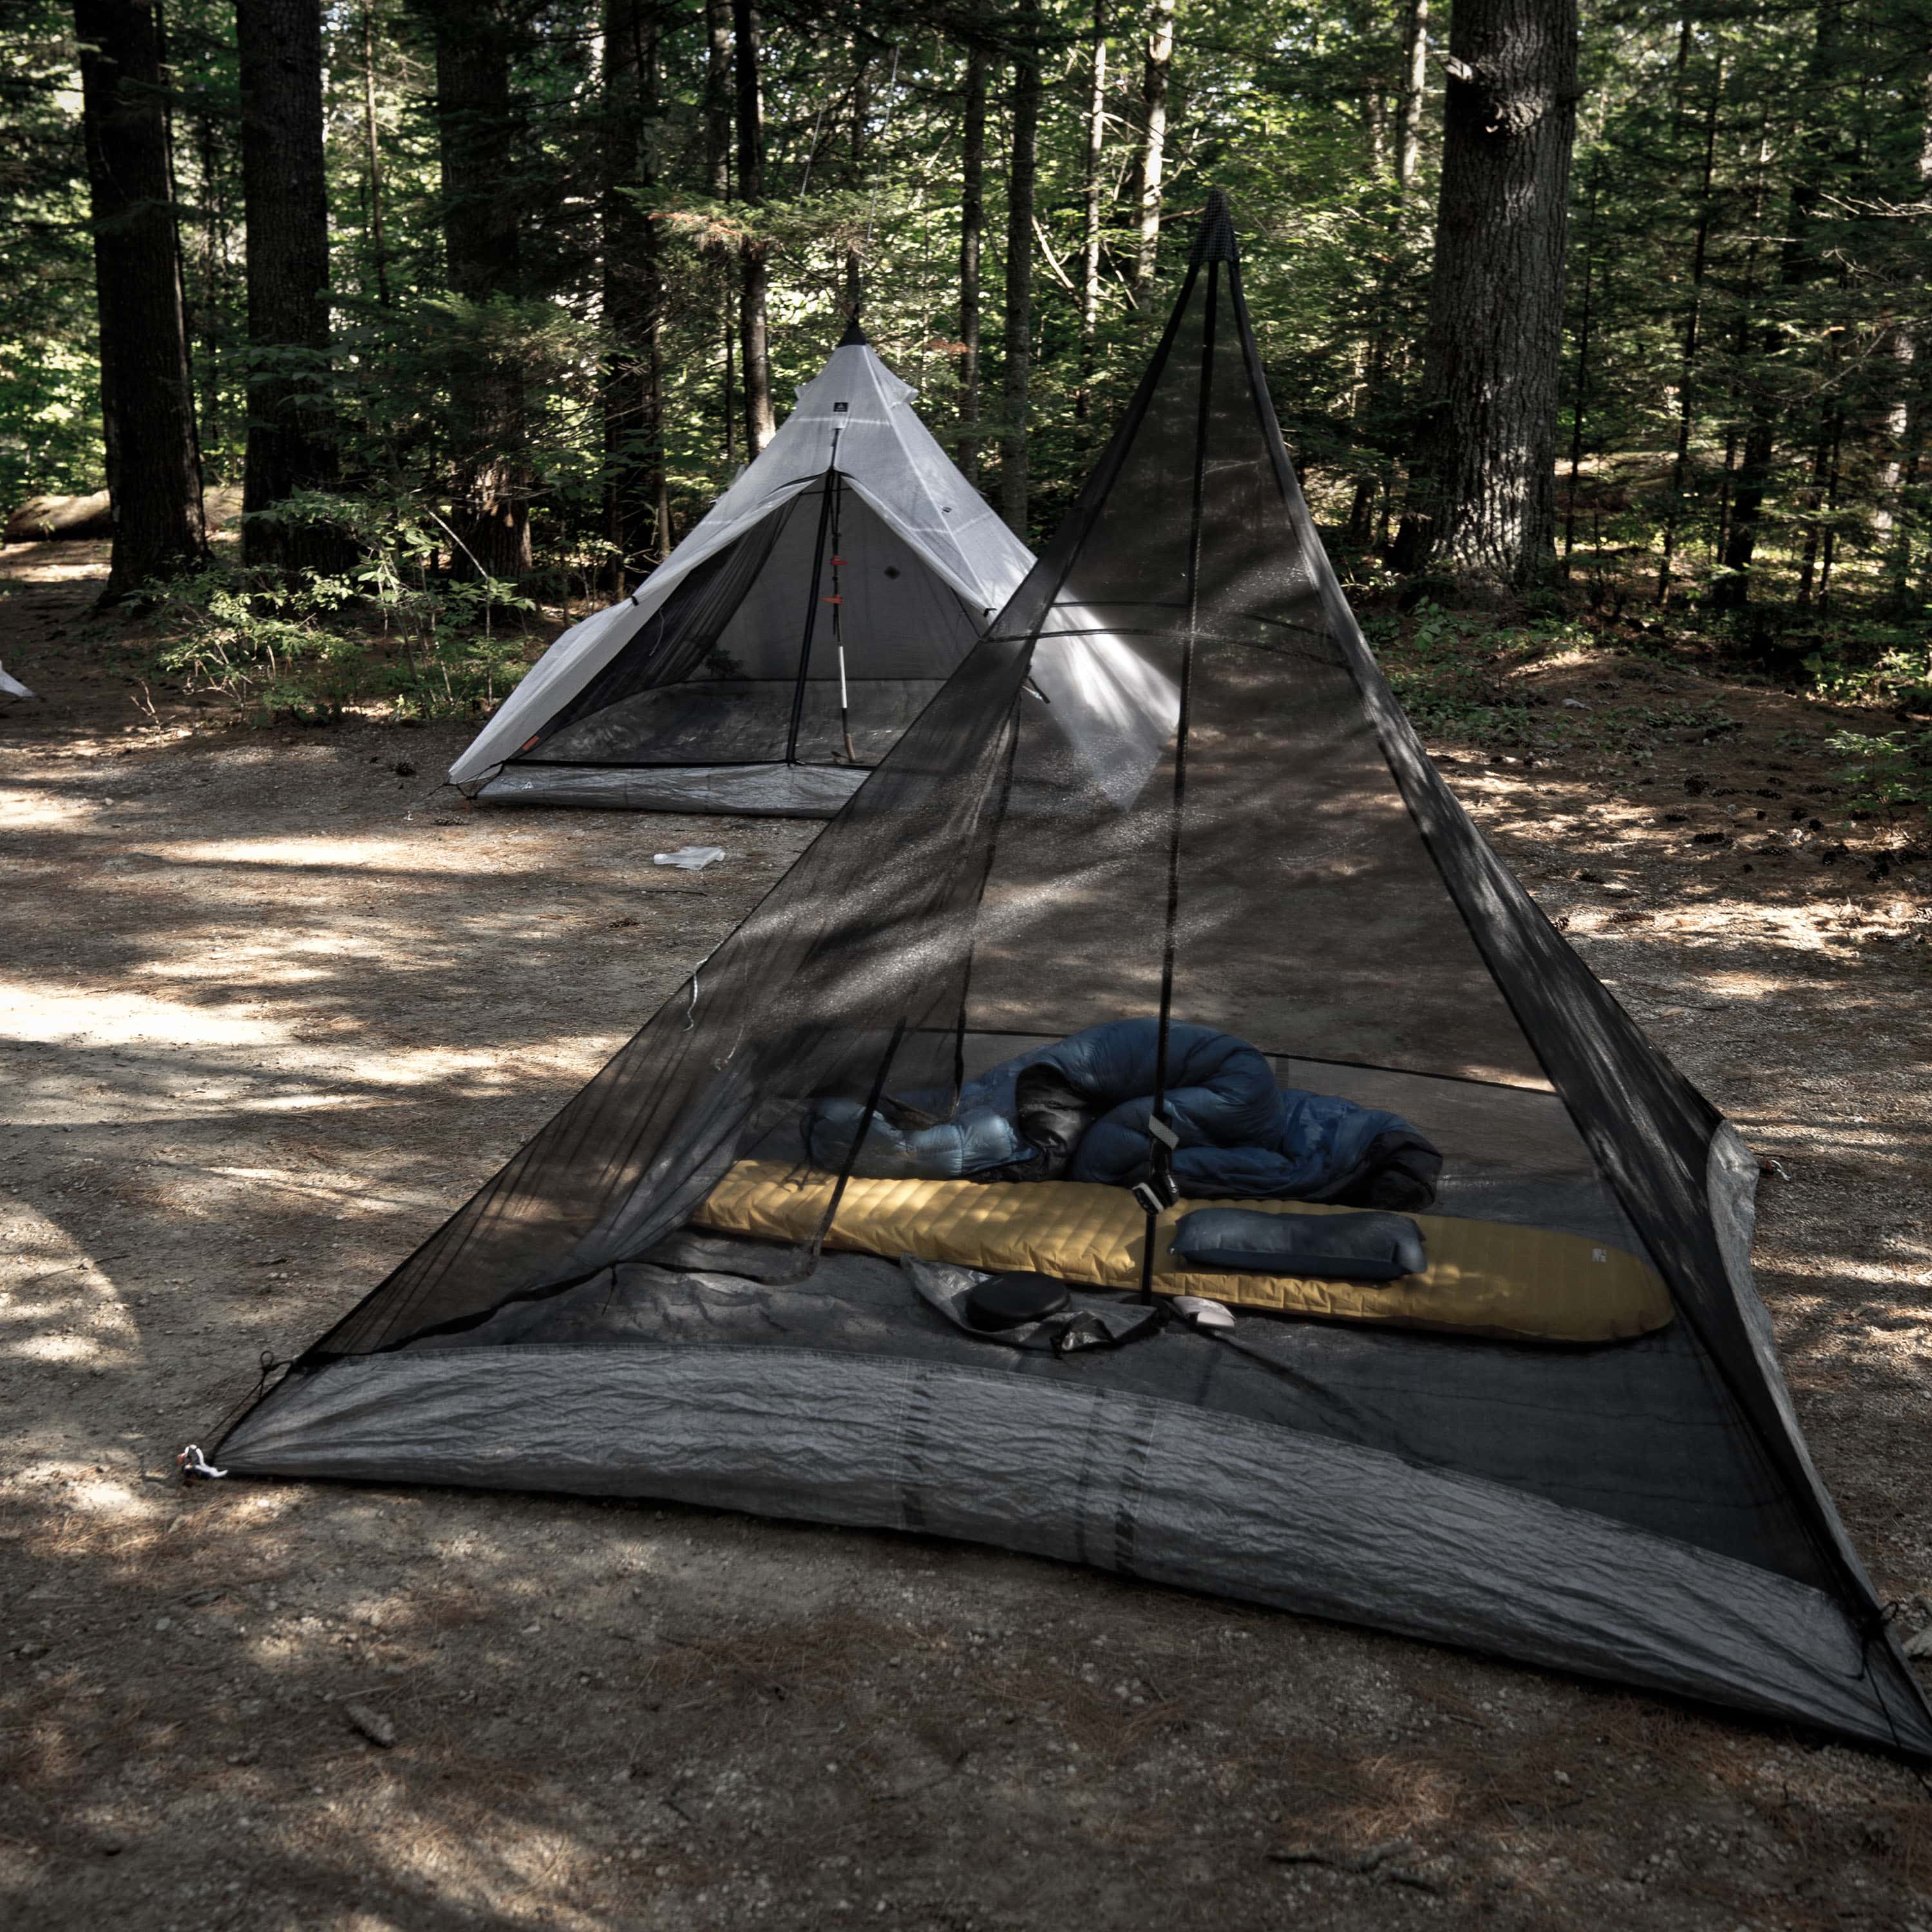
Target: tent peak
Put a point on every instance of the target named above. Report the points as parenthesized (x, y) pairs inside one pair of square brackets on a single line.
[(854, 337), (1215, 242)]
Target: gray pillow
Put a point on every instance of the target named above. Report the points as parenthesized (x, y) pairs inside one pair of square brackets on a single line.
[(1330, 1247)]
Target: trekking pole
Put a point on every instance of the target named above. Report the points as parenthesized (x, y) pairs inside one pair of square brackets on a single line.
[(838, 624)]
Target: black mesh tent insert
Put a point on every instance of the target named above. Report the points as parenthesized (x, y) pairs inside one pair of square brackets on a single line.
[(1290, 868)]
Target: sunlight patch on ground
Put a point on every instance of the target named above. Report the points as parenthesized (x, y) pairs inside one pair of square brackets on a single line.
[(51, 1349), (48, 1017), (489, 850)]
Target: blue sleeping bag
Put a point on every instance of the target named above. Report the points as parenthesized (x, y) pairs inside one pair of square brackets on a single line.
[(1077, 1110)]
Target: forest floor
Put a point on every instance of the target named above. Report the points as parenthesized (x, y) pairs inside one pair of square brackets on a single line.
[(274, 1004)]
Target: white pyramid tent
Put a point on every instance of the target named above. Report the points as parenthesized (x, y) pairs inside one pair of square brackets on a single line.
[(777, 652)]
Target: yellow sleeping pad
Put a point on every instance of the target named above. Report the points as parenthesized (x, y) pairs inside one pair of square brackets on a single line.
[(1483, 1277)]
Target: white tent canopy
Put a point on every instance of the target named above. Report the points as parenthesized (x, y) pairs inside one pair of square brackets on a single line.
[(779, 650)]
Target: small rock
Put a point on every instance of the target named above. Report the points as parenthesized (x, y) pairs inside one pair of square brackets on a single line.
[(164, 1623), (1615, 891), (1338, 1859), (110, 1844), (30, 1650), (1561, 1776), (1920, 1645), (374, 1725), (1415, 1880), (404, 770), (1576, 704)]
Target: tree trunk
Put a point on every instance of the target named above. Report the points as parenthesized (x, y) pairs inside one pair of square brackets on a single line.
[(1831, 512), (374, 154), (1494, 351), (717, 95), (862, 107), (1153, 162), (478, 139), (636, 498), (1797, 264), (1415, 88), (147, 407), (1693, 320), (285, 199), (1905, 419), (753, 271), (1090, 259), (972, 238), (1021, 173), (211, 167), (1580, 402)]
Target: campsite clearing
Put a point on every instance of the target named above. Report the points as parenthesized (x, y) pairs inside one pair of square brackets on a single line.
[(273, 1006)]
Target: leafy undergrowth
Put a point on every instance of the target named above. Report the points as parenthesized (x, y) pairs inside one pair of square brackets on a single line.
[(389, 633)]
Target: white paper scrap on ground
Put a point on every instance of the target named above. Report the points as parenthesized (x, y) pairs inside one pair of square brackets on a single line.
[(689, 858)]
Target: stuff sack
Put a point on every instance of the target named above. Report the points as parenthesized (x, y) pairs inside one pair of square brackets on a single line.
[(1327, 1247)]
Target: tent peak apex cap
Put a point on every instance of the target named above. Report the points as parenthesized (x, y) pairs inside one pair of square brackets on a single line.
[(854, 337), (1215, 241)]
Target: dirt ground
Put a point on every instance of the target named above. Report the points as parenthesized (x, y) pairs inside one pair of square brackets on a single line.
[(273, 1004)]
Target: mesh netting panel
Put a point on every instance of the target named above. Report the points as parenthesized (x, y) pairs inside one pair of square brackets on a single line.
[(864, 944), (1171, 781), (750, 662), (999, 879), (678, 636), (1028, 862)]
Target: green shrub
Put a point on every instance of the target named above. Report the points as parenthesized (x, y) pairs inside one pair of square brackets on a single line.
[(388, 629), (1886, 770)]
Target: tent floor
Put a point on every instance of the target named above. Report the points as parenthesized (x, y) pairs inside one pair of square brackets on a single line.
[(739, 721), (751, 791), (1361, 1476), (717, 744), (1430, 1400)]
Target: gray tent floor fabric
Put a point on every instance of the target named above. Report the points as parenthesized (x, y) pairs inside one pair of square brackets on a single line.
[(738, 720), (716, 745), (749, 791), (1627, 1430), (1056, 1465)]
